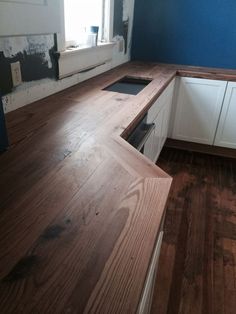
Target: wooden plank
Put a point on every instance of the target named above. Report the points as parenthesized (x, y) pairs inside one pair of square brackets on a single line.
[(196, 272)]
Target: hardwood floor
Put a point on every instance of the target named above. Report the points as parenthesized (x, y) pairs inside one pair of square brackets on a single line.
[(197, 268)]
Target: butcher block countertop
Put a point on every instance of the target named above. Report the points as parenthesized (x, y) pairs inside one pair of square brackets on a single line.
[(81, 209)]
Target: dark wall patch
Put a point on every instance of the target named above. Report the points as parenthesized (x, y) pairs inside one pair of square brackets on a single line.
[(35, 68), (34, 65), (118, 18), (5, 74)]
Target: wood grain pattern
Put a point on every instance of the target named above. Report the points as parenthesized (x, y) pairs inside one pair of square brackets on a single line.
[(197, 263), (80, 208), (195, 71)]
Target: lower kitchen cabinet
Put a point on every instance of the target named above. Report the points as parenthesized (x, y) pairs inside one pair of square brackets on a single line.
[(146, 300), (152, 147), (159, 114), (148, 147), (166, 120), (226, 131), (198, 107)]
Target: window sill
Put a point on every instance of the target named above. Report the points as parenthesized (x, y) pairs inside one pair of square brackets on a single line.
[(75, 60)]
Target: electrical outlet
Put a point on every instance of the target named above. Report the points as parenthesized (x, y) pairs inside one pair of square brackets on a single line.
[(16, 73)]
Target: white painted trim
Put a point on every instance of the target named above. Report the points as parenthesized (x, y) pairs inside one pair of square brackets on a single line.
[(79, 50), (74, 61), (61, 36), (109, 19)]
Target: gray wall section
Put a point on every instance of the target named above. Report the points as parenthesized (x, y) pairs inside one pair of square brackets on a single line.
[(120, 27), (36, 56), (118, 18)]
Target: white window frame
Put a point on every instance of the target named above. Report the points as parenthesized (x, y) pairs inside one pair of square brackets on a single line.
[(73, 61), (108, 26)]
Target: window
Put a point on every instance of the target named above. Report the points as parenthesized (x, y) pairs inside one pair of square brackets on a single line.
[(79, 16)]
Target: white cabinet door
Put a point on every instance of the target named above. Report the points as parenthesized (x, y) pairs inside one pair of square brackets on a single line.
[(165, 121), (159, 114), (157, 139), (198, 107), (155, 142), (226, 131)]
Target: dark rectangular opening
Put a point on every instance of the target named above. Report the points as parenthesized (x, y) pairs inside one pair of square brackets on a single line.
[(128, 85)]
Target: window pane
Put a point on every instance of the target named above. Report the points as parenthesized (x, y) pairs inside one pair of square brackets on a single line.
[(80, 14)]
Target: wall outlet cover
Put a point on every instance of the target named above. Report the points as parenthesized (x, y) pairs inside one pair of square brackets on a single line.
[(16, 73)]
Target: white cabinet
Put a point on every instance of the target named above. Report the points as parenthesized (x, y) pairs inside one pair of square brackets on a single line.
[(159, 114), (166, 119), (152, 147), (198, 107), (226, 131), (146, 300)]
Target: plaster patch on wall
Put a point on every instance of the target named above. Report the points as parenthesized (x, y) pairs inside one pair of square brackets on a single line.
[(30, 45), (10, 46), (35, 54)]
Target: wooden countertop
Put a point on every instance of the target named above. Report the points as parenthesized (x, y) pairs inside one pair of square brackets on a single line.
[(80, 208)]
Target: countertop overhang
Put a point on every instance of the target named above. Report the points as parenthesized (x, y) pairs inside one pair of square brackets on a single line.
[(80, 208)]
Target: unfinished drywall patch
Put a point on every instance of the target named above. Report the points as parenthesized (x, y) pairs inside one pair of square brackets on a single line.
[(35, 54)]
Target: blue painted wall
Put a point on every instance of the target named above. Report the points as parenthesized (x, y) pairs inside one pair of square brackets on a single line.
[(193, 32)]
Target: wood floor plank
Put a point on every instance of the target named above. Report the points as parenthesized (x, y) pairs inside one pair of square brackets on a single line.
[(201, 276)]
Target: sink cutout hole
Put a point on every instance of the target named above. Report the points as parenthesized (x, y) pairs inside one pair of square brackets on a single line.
[(128, 85)]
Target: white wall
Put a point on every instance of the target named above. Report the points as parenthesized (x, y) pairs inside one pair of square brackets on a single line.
[(22, 17)]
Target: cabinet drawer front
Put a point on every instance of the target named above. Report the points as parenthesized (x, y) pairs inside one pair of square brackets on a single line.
[(198, 107), (162, 99)]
